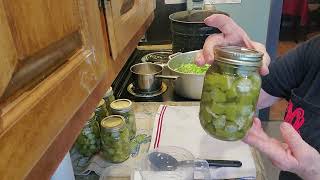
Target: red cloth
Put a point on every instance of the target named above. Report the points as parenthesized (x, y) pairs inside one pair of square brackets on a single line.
[(296, 8)]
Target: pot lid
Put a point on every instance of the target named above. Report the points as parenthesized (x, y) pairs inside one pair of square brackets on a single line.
[(161, 57), (193, 16)]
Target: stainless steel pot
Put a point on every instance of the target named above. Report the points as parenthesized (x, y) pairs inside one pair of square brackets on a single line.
[(189, 31), (187, 85), (147, 77)]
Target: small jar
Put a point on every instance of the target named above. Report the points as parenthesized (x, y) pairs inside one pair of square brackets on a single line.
[(115, 139), (101, 111), (124, 108), (230, 92), (109, 98), (88, 142)]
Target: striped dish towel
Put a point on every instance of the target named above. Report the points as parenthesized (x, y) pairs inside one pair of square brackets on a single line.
[(180, 126)]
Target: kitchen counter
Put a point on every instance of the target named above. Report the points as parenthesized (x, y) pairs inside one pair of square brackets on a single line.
[(145, 113), (148, 110)]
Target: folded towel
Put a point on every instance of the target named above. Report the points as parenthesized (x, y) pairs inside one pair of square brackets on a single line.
[(180, 126)]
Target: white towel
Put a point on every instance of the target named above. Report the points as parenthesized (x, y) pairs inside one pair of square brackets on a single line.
[(180, 126)]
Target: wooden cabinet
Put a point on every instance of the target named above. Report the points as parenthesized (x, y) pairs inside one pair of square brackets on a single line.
[(124, 19), (53, 56), (55, 65)]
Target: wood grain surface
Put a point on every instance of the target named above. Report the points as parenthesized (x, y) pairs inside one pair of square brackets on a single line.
[(32, 121), (8, 55), (35, 24), (40, 65), (123, 27), (39, 126)]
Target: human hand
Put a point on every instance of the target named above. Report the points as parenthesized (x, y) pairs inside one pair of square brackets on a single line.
[(294, 155), (232, 34)]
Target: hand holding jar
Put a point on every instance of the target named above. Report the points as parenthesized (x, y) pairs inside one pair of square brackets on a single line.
[(232, 35), (230, 92)]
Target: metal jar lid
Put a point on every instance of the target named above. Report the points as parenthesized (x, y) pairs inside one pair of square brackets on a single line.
[(239, 56), (101, 103), (109, 92), (121, 105), (113, 123)]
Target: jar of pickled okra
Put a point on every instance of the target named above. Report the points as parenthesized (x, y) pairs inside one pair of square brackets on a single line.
[(101, 111), (124, 108), (230, 92), (88, 142), (115, 143), (109, 98)]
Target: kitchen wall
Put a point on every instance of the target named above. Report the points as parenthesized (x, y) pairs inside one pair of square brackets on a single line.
[(251, 15)]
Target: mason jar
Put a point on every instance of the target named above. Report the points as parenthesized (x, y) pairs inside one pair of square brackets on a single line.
[(124, 108), (101, 111), (230, 92), (88, 142), (109, 98), (115, 139)]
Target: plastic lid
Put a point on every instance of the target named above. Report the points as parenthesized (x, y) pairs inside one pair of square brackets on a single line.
[(109, 92), (121, 104), (101, 103), (113, 122), (238, 56)]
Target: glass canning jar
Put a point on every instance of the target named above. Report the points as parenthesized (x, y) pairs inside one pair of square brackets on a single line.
[(124, 108), (109, 98), (101, 111), (115, 139), (88, 142), (230, 92)]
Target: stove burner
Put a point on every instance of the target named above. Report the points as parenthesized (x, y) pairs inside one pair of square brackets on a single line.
[(132, 91), (161, 57)]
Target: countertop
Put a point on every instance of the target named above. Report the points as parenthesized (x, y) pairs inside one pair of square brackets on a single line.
[(145, 113)]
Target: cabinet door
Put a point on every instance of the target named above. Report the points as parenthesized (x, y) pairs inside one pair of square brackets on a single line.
[(52, 56), (39, 36), (124, 19)]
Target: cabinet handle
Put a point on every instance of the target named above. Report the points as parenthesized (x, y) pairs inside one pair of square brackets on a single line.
[(126, 6)]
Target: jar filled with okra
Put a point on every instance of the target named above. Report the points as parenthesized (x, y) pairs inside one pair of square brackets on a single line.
[(124, 108), (230, 92), (115, 139), (109, 98), (101, 111), (88, 142)]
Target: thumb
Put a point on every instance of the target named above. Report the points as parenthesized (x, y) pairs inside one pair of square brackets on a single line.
[(292, 138)]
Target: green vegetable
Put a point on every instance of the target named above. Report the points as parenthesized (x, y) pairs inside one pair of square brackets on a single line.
[(116, 145), (130, 122), (220, 81), (228, 103), (88, 142), (192, 68), (101, 111)]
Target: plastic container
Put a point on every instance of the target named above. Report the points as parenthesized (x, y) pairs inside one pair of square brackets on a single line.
[(88, 142), (115, 139), (109, 98), (156, 165), (124, 108), (230, 92)]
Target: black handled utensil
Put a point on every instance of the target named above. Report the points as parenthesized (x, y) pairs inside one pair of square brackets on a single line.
[(165, 162)]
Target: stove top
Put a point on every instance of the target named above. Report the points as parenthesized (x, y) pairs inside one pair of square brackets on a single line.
[(122, 83)]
